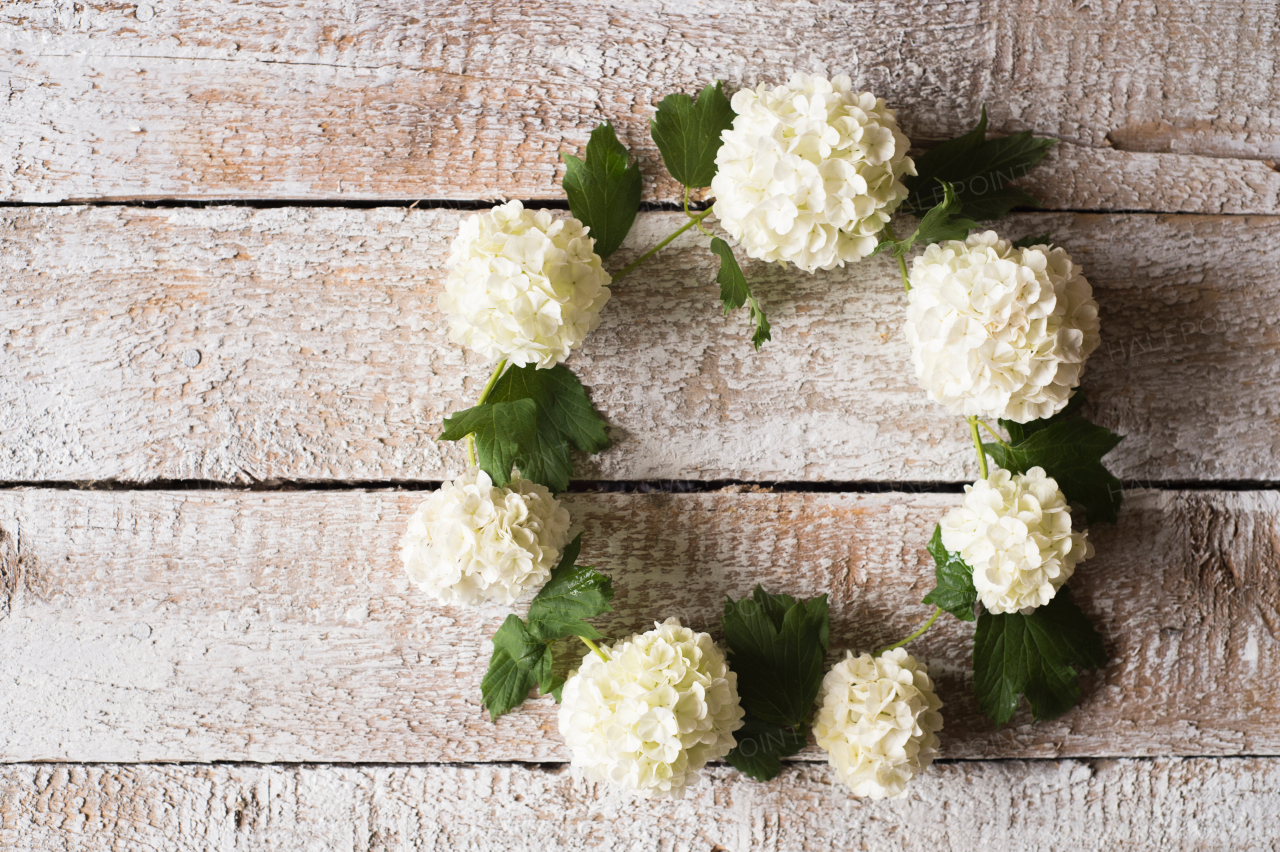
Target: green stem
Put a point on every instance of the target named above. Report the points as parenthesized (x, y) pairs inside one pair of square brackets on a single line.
[(484, 394), (694, 219), (902, 262), (936, 612), (691, 216), (977, 445), (1001, 441), (593, 646)]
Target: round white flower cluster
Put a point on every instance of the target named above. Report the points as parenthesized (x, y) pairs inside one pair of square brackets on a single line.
[(523, 285), (650, 717), (810, 172), (1014, 531), (878, 721), (998, 331), (470, 542)]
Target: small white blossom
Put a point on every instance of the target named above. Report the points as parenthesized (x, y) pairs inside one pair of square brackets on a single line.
[(523, 285), (878, 721), (470, 542), (651, 717), (1014, 531), (998, 331), (810, 172)]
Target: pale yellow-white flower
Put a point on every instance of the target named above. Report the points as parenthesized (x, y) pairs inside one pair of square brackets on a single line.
[(471, 542), (878, 721), (523, 285), (1014, 531), (998, 331), (810, 172), (652, 715)]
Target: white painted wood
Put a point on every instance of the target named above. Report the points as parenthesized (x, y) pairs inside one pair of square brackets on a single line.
[(247, 345), (373, 99), (1197, 804), (278, 626)]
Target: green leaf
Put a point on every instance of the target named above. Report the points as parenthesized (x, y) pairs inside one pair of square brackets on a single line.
[(1071, 452), (688, 134), (734, 292), (1032, 242), (518, 661), (565, 418), (981, 169), (573, 593), (762, 746), (778, 647), (1018, 432), (604, 191), (954, 589), (943, 222), (502, 430), (1035, 655)]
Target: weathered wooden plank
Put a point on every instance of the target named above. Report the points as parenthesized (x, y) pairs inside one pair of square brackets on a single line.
[(242, 345), (370, 99), (1013, 805), (277, 626)]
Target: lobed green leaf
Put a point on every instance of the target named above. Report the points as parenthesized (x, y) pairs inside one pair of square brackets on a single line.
[(953, 590), (734, 292), (603, 190), (762, 746), (574, 593), (688, 134), (502, 431)]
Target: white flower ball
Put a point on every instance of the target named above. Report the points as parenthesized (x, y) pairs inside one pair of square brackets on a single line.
[(1014, 531), (470, 542), (523, 285), (998, 331), (653, 715), (810, 172), (878, 722)]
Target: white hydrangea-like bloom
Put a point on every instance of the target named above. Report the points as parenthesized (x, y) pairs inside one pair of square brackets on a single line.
[(878, 722), (523, 285), (810, 172), (651, 717), (1014, 531), (470, 542), (998, 331)]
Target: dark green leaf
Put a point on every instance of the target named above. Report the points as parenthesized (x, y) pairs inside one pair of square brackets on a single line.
[(778, 647), (954, 589), (762, 746), (604, 191), (1032, 242), (981, 169), (1018, 432), (1071, 452), (565, 418), (1035, 655), (518, 661), (502, 431), (573, 593), (734, 292), (943, 222), (688, 134)]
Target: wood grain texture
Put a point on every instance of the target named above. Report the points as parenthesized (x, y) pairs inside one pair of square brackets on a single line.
[(1015, 805), (370, 99), (197, 626), (247, 345)]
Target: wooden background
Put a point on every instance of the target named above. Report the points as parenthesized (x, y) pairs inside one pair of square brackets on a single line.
[(222, 371)]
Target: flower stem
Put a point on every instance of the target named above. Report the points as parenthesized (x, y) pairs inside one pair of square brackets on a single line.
[(697, 221), (936, 612), (902, 262), (1001, 441), (977, 445), (593, 646), (484, 394), (694, 219)]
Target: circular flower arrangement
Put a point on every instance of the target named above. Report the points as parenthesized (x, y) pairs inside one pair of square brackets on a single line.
[(523, 285), (651, 712), (1014, 531), (471, 542), (998, 331), (809, 174), (878, 722)]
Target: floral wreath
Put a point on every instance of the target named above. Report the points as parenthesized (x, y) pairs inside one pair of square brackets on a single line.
[(808, 174)]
